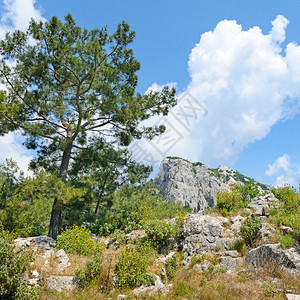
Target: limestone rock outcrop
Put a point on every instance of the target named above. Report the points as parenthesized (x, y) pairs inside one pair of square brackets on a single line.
[(202, 233), (194, 184)]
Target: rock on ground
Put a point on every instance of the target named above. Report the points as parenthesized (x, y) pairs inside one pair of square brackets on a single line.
[(157, 288), (273, 254), (202, 233), (62, 283)]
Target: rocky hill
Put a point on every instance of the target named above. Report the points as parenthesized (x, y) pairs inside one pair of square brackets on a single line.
[(195, 184)]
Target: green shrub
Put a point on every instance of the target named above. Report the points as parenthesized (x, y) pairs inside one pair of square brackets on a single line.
[(131, 206), (159, 232), (286, 241), (171, 266), (224, 212), (35, 229), (198, 259), (228, 200), (77, 240), (12, 266), (238, 246), (91, 272), (248, 192), (250, 229), (131, 267), (288, 213), (119, 236)]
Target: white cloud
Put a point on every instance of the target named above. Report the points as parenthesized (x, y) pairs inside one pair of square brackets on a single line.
[(11, 148), (246, 82), (16, 15), (281, 163), (284, 171)]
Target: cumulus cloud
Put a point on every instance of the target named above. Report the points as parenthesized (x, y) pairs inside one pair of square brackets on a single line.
[(281, 163), (16, 15), (284, 171), (246, 82)]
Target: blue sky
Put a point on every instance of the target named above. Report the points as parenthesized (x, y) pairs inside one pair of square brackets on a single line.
[(237, 65)]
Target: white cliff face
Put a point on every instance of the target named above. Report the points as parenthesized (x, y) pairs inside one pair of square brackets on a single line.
[(194, 184)]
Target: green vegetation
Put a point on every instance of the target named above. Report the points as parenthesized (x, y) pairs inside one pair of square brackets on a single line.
[(288, 212), (171, 266), (159, 232), (77, 240), (68, 90), (228, 200), (249, 230), (12, 267), (286, 241), (131, 267), (131, 207), (236, 197), (91, 272), (239, 246)]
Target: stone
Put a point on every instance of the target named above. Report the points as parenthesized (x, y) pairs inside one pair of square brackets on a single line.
[(62, 283), (164, 259), (202, 233), (135, 235), (265, 233), (44, 242), (273, 254), (237, 223), (231, 253), (158, 288), (63, 260), (120, 297), (229, 263), (292, 297), (286, 230)]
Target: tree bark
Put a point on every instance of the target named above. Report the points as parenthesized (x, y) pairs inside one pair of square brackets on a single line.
[(55, 221), (56, 214)]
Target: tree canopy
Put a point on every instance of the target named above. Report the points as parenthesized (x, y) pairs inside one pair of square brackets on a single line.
[(71, 92)]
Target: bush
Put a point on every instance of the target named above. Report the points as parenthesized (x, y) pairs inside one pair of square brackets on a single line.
[(13, 265), (238, 246), (159, 232), (228, 200), (77, 240), (249, 230), (91, 272), (286, 241), (248, 192), (171, 266), (131, 267), (198, 259), (132, 206), (288, 213)]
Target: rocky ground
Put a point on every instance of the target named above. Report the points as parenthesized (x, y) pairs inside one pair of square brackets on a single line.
[(205, 244)]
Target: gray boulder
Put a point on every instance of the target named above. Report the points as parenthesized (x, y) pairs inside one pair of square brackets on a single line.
[(42, 241), (62, 283), (230, 264), (202, 233), (273, 254)]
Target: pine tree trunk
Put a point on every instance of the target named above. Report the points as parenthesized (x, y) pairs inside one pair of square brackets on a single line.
[(55, 221), (56, 214)]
